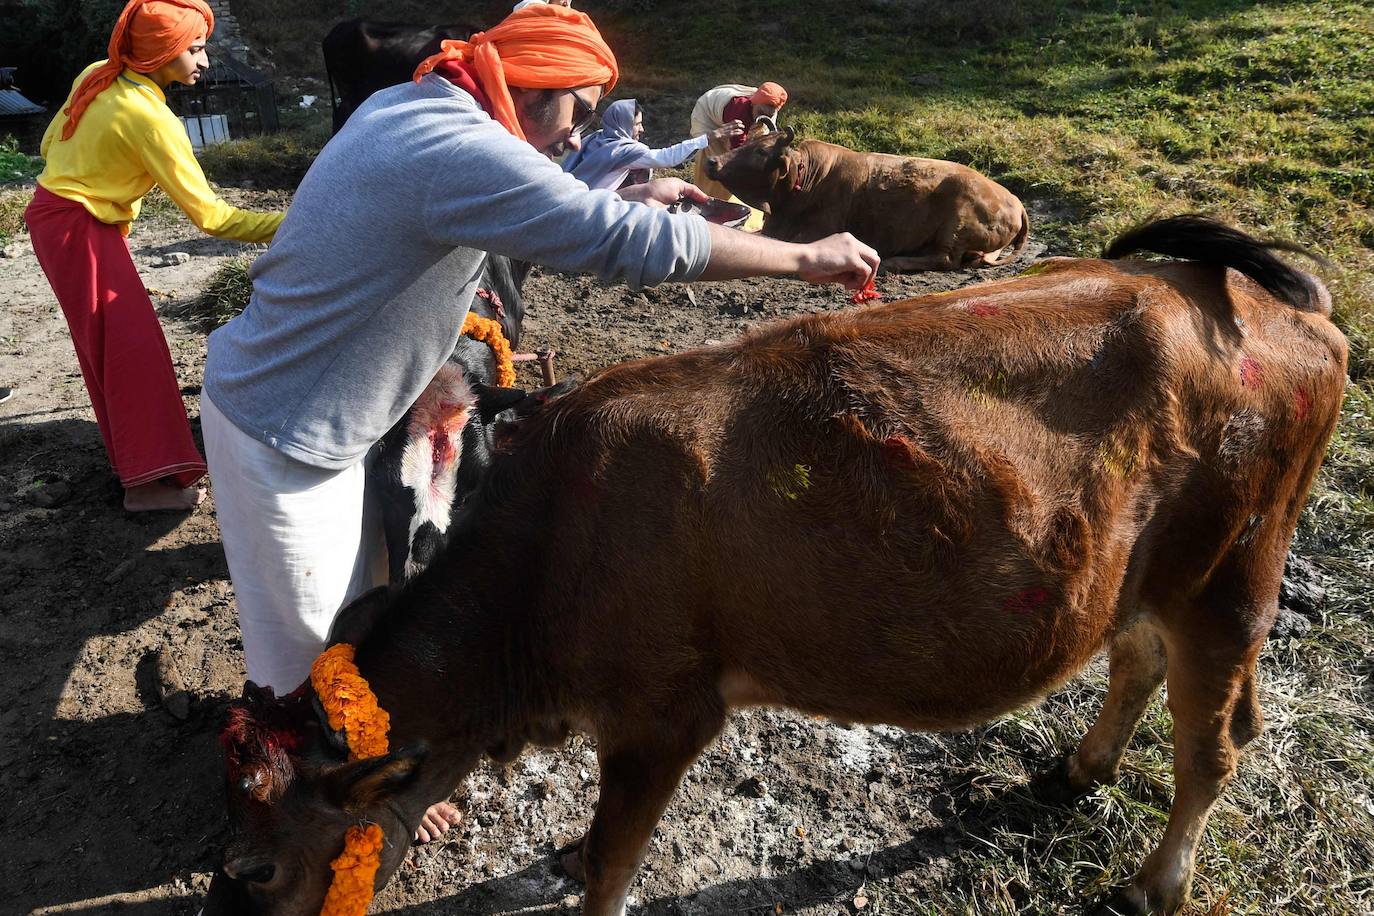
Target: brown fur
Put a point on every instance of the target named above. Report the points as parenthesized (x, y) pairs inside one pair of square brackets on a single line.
[(920, 214), (965, 496)]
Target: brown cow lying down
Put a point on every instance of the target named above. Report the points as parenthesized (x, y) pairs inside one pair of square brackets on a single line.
[(927, 513), (921, 214)]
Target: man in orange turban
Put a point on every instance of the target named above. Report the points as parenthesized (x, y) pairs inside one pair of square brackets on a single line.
[(361, 298), (113, 140)]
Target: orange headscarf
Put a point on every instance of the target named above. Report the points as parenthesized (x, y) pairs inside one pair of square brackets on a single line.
[(769, 94), (147, 35), (539, 47)]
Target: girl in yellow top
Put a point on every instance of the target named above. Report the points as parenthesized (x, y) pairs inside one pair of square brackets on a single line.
[(113, 140)]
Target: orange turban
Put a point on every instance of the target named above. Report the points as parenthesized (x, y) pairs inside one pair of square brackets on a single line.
[(542, 46), (769, 94), (147, 35)]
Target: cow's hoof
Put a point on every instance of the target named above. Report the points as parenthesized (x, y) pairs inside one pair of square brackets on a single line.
[(570, 860), (1121, 902), (1054, 787)]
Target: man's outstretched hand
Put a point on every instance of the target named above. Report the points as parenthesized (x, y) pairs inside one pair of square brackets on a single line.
[(664, 192), (839, 258)]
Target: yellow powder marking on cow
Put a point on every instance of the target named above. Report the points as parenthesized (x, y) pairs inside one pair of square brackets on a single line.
[(985, 389), (1120, 460), (790, 483), (488, 331), (1034, 269)]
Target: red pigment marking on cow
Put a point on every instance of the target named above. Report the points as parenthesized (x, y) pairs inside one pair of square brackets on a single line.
[(1302, 404), (248, 743), (442, 449), (495, 300), (1250, 373), (898, 450), (1026, 600), (983, 309), (870, 291)]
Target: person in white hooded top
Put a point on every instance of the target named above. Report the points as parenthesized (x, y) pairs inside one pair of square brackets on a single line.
[(611, 157)]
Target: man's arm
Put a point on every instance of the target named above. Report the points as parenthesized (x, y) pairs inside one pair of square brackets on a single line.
[(839, 258)]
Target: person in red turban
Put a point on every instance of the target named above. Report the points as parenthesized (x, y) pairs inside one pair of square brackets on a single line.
[(730, 105)]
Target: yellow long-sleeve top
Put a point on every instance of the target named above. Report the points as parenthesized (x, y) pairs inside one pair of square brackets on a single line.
[(127, 141)]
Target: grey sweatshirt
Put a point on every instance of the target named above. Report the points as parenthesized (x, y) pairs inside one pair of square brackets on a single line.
[(362, 295)]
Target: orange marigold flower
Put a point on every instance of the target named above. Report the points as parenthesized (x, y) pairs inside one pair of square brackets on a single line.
[(355, 871), (349, 702), (488, 331)]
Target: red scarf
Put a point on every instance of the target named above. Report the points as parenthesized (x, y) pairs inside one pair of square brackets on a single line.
[(464, 75)]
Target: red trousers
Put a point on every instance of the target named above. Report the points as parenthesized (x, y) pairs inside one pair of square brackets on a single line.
[(119, 343)]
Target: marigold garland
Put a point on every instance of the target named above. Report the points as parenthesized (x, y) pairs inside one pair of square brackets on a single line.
[(488, 331), (349, 702), (352, 707), (355, 870)]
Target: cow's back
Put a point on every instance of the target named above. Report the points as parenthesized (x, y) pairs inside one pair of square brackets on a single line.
[(926, 489), (899, 204)]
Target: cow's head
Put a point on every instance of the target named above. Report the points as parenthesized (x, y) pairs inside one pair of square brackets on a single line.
[(760, 170), (292, 794), (438, 454)]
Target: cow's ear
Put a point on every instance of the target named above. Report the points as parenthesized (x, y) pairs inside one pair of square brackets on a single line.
[(788, 135), (362, 784), (354, 622), (492, 401), (541, 396)]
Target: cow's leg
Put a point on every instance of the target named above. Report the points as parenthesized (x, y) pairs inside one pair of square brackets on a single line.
[(943, 261), (1215, 710), (637, 780), (1137, 668)]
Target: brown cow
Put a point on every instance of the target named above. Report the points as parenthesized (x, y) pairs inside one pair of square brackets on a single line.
[(964, 497), (921, 214)]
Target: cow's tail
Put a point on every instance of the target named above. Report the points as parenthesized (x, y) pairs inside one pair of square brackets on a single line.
[(1195, 237), (1017, 244)]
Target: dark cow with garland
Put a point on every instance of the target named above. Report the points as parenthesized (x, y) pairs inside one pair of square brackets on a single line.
[(962, 497)]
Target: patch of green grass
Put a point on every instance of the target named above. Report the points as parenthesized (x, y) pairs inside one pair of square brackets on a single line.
[(12, 203), (225, 296), (277, 160), (14, 165)]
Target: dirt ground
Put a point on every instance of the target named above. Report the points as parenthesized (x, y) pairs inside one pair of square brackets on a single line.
[(120, 651)]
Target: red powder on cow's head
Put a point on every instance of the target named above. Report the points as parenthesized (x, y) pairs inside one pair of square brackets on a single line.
[(983, 309), (258, 750), (1026, 600), (1251, 376)]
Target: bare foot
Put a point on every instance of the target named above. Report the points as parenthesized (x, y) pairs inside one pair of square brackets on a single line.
[(150, 497), (436, 822)]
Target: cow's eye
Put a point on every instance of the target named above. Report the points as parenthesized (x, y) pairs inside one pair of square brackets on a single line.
[(259, 875)]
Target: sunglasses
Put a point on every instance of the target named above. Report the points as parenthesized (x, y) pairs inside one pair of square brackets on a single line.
[(582, 123)]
